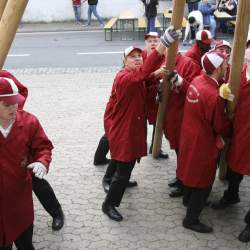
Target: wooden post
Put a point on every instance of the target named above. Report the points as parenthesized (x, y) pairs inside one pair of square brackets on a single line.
[(176, 21), (239, 46), (2, 6), (10, 20)]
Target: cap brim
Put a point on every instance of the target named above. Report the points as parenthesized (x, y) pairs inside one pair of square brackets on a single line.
[(11, 100)]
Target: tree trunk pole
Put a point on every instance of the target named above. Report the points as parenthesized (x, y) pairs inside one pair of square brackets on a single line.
[(239, 46), (176, 21), (9, 22), (2, 6)]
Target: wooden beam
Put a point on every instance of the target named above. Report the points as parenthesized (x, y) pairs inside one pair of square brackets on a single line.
[(2, 6), (176, 21), (239, 46), (9, 22)]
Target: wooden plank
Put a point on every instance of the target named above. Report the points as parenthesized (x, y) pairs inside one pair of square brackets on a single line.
[(111, 23)]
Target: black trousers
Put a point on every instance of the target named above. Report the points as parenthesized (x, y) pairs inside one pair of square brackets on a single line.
[(23, 242), (119, 182), (195, 199), (110, 171), (46, 196), (234, 180), (102, 149)]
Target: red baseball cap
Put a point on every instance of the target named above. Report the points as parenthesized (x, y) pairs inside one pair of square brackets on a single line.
[(153, 34), (211, 61), (129, 50), (9, 92), (222, 43), (204, 36)]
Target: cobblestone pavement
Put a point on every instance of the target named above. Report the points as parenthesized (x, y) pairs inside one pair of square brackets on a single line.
[(70, 105)]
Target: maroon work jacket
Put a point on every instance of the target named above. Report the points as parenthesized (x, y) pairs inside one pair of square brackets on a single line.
[(21, 88), (125, 114), (25, 143), (195, 54), (238, 157), (151, 93), (204, 118), (188, 70)]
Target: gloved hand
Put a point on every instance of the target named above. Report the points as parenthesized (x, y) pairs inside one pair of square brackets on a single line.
[(38, 169), (170, 35), (158, 97), (225, 92), (175, 79)]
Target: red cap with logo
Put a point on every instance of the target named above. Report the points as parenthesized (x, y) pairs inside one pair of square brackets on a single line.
[(9, 92)]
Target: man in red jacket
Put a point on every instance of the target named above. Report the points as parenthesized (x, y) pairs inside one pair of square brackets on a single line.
[(152, 39), (125, 117), (204, 118), (201, 46), (23, 147), (185, 71), (238, 157)]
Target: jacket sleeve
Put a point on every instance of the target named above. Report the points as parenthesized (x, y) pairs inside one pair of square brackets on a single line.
[(40, 146), (221, 123)]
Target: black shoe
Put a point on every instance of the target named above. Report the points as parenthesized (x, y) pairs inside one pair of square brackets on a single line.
[(104, 162), (58, 221), (105, 185), (245, 235), (197, 227), (163, 155), (176, 192), (111, 212), (174, 182), (132, 184), (207, 203), (223, 203)]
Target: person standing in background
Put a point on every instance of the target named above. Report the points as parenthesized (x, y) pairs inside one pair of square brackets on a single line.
[(151, 13), (92, 9), (192, 5), (77, 10)]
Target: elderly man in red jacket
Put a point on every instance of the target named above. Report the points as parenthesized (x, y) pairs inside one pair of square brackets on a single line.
[(185, 71), (238, 157), (204, 118), (23, 146), (125, 117)]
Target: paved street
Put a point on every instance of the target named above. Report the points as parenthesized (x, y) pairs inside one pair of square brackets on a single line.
[(70, 104)]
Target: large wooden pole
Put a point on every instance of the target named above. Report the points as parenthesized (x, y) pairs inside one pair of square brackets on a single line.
[(176, 21), (10, 20), (2, 6), (239, 46)]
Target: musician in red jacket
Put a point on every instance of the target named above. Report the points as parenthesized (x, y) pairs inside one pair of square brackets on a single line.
[(125, 117), (204, 118), (238, 157), (23, 147), (185, 71), (202, 45)]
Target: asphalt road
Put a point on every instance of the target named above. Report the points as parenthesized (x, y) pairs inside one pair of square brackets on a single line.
[(66, 49)]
